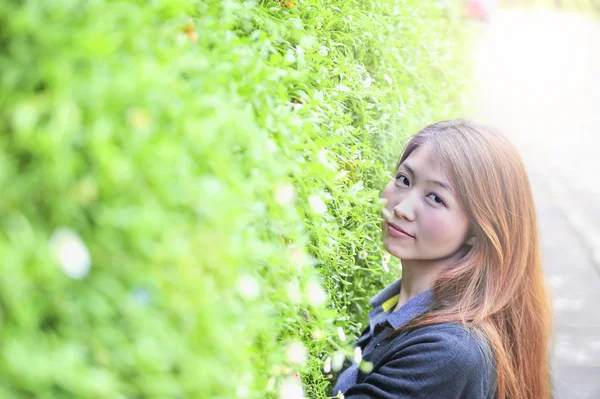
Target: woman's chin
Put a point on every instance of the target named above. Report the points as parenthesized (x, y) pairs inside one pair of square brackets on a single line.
[(394, 249)]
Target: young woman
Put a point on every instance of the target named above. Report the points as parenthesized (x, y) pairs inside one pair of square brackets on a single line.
[(470, 317)]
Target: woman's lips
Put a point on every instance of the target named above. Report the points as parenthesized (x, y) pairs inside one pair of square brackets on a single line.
[(396, 231)]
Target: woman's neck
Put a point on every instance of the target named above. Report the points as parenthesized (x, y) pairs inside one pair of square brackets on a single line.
[(417, 277)]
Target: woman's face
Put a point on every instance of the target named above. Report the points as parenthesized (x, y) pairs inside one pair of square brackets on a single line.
[(426, 220)]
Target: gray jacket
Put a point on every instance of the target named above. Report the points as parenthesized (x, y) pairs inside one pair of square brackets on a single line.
[(443, 360)]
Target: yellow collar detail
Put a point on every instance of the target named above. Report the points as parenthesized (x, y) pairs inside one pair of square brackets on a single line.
[(390, 303)]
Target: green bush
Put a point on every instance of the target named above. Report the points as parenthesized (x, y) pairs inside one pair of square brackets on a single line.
[(181, 178)]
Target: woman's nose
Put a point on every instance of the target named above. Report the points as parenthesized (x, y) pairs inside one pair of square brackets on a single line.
[(406, 207)]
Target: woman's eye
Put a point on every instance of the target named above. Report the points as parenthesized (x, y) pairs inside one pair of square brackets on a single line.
[(436, 198), (402, 179)]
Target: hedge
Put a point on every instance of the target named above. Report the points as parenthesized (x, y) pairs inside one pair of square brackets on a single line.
[(190, 188)]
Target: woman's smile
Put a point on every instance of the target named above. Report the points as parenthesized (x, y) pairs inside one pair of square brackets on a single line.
[(396, 231)]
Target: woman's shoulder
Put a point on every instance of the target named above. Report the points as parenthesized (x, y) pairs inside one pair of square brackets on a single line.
[(438, 360), (452, 332), (448, 344)]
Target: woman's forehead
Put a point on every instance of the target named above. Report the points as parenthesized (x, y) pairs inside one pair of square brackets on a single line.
[(423, 161)]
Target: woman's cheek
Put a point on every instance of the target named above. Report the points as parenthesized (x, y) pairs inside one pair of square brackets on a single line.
[(438, 230)]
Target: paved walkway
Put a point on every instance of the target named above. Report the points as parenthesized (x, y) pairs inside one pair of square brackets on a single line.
[(540, 82)]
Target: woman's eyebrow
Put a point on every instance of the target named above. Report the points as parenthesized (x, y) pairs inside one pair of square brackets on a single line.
[(442, 184)]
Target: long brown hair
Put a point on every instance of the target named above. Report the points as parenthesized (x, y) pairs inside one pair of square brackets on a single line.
[(498, 287)]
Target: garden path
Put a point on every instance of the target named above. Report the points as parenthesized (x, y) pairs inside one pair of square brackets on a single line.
[(539, 74)]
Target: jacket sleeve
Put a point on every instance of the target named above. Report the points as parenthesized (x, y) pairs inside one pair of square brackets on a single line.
[(439, 362)]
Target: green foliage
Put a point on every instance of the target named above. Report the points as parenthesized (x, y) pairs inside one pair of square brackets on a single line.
[(214, 163)]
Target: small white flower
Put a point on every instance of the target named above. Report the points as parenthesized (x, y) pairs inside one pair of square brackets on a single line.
[(362, 255), (296, 353), (291, 389), (318, 334), (357, 355), (270, 384), (317, 204), (385, 266), (387, 78), (323, 51), (315, 294), (285, 194), (242, 391), (327, 365), (71, 252), (337, 362), (340, 395), (342, 175), (323, 159), (323, 156), (341, 334), (367, 82), (290, 57), (271, 145), (386, 214), (297, 256), (293, 291), (387, 257), (248, 287)]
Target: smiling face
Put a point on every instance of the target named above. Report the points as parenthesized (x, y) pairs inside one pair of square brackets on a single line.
[(423, 205)]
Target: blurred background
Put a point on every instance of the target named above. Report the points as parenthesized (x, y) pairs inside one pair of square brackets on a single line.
[(189, 189), (538, 71)]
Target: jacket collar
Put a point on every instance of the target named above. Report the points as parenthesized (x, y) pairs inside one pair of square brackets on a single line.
[(386, 300)]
